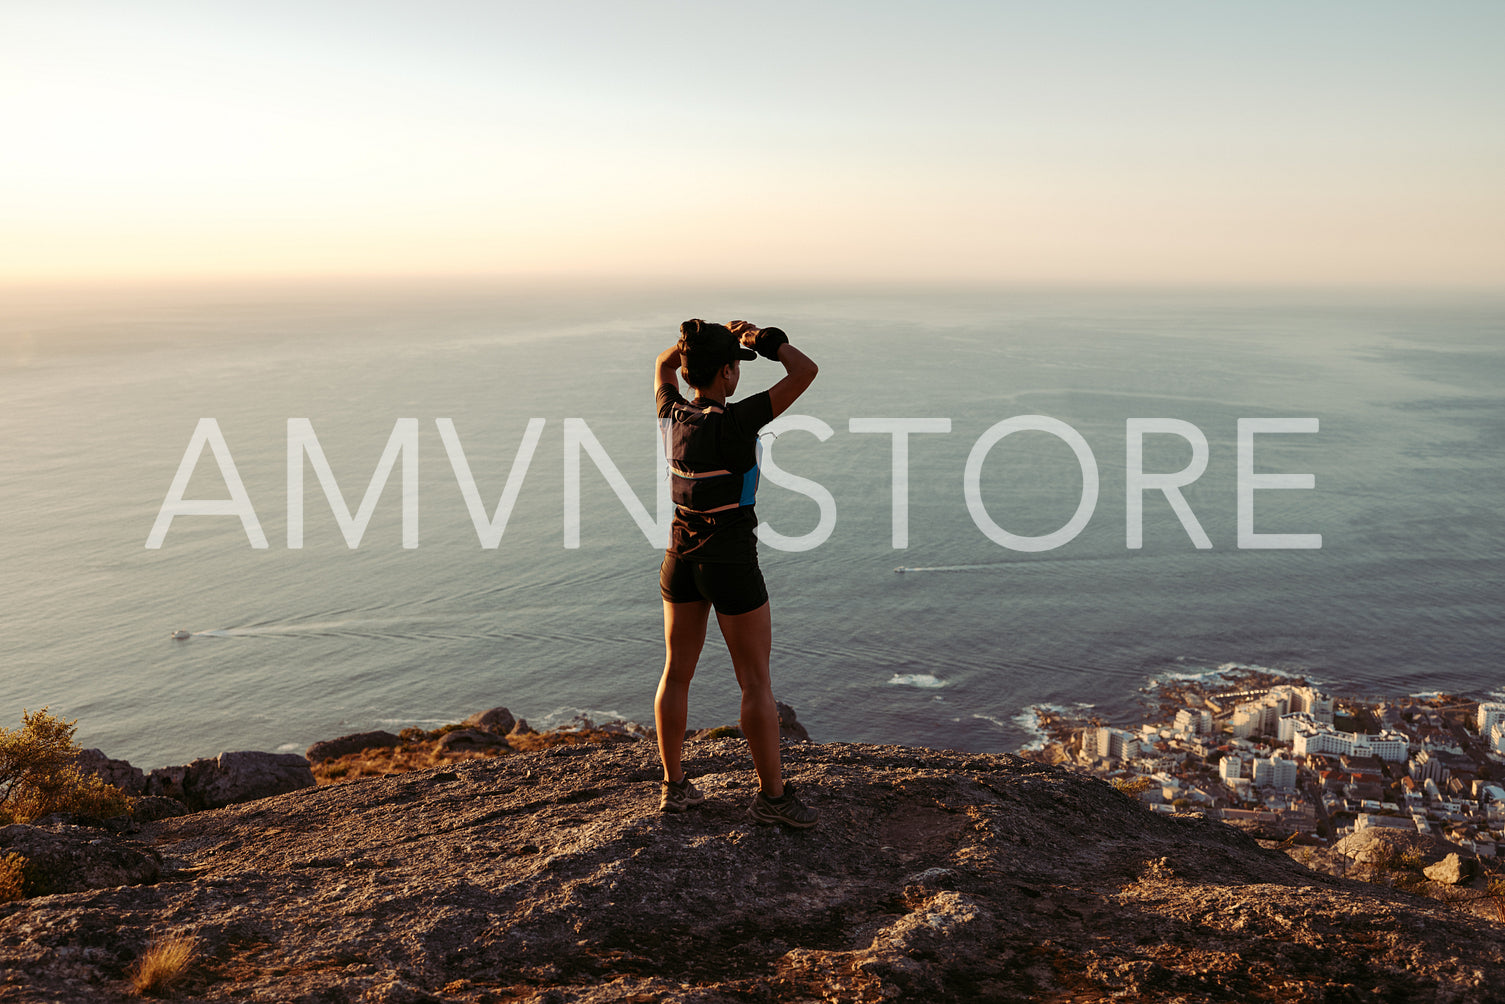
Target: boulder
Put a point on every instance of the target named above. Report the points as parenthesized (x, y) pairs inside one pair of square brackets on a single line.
[(168, 782), (498, 720), (1378, 846), (789, 726), (631, 730), (1451, 870), (120, 773), (719, 732), (465, 740), (74, 858), (245, 776), (522, 728), (358, 742), (214, 782)]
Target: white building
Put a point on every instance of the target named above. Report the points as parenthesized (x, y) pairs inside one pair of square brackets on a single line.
[(1260, 772), (1089, 744), (1490, 712), (1369, 821), (1312, 737), (1309, 700), (1230, 768), (1305, 705), (1427, 766), (1274, 772), (1116, 743), (1261, 716), (1196, 723), (1286, 728)]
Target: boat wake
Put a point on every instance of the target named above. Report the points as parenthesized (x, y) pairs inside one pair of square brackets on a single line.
[(921, 681), (375, 627)]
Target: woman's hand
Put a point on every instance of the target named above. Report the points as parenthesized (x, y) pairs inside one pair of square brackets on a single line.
[(746, 331)]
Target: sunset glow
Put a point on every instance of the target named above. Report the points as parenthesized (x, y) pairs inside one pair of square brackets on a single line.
[(1084, 142)]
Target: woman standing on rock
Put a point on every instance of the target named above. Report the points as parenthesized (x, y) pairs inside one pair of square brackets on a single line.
[(712, 560)]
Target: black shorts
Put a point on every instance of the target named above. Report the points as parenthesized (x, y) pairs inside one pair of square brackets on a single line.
[(732, 587)]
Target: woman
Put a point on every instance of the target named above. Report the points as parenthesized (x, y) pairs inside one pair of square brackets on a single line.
[(712, 560)]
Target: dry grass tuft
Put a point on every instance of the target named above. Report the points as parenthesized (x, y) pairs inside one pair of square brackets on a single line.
[(163, 964), (12, 878), (420, 751), (1133, 787)]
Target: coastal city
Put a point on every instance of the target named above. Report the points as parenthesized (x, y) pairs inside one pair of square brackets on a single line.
[(1279, 757)]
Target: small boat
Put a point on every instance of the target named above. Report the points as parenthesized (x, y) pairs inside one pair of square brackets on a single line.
[(181, 635)]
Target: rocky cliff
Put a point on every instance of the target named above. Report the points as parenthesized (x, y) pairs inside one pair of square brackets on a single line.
[(549, 876)]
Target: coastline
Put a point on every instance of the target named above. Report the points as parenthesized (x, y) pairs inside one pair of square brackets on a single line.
[(1055, 730), (534, 865), (1271, 753), (548, 875)]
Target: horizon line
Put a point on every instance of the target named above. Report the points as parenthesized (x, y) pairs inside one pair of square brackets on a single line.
[(892, 283)]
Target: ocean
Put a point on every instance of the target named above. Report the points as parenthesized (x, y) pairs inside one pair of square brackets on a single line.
[(104, 388)]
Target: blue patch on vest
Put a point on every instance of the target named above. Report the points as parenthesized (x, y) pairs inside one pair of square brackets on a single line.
[(750, 479)]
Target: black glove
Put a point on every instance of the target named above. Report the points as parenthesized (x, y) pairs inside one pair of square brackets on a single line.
[(767, 343)]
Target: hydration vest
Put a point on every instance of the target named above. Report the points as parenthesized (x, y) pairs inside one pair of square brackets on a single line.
[(702, 484)]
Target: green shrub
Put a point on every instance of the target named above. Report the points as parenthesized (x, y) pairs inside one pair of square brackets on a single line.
[(39, 773)]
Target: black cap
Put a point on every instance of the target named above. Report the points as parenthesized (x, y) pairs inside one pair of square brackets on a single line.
[(707, 342)]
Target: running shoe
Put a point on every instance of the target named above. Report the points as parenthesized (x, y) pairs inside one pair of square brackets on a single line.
[(786, 810), (679, 795)]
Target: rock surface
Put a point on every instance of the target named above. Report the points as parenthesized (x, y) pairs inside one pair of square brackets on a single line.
[(1451, 870), (120, 773), (150, 808), (498, 720), (355, 743), (472, 739), (550, 876), (789, 725), (214, 782), (63, 858), (1378, 845)]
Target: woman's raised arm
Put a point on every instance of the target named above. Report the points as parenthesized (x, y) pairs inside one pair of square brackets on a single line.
[(799, 373), (666, 370)]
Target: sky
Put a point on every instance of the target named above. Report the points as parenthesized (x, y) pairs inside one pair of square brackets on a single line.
[(1161, 142)]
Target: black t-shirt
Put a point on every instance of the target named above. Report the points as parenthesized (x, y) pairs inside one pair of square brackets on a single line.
[(713, 454)]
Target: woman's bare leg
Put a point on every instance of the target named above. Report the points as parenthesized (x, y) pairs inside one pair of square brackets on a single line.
[(749, 639), (684, 636)]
